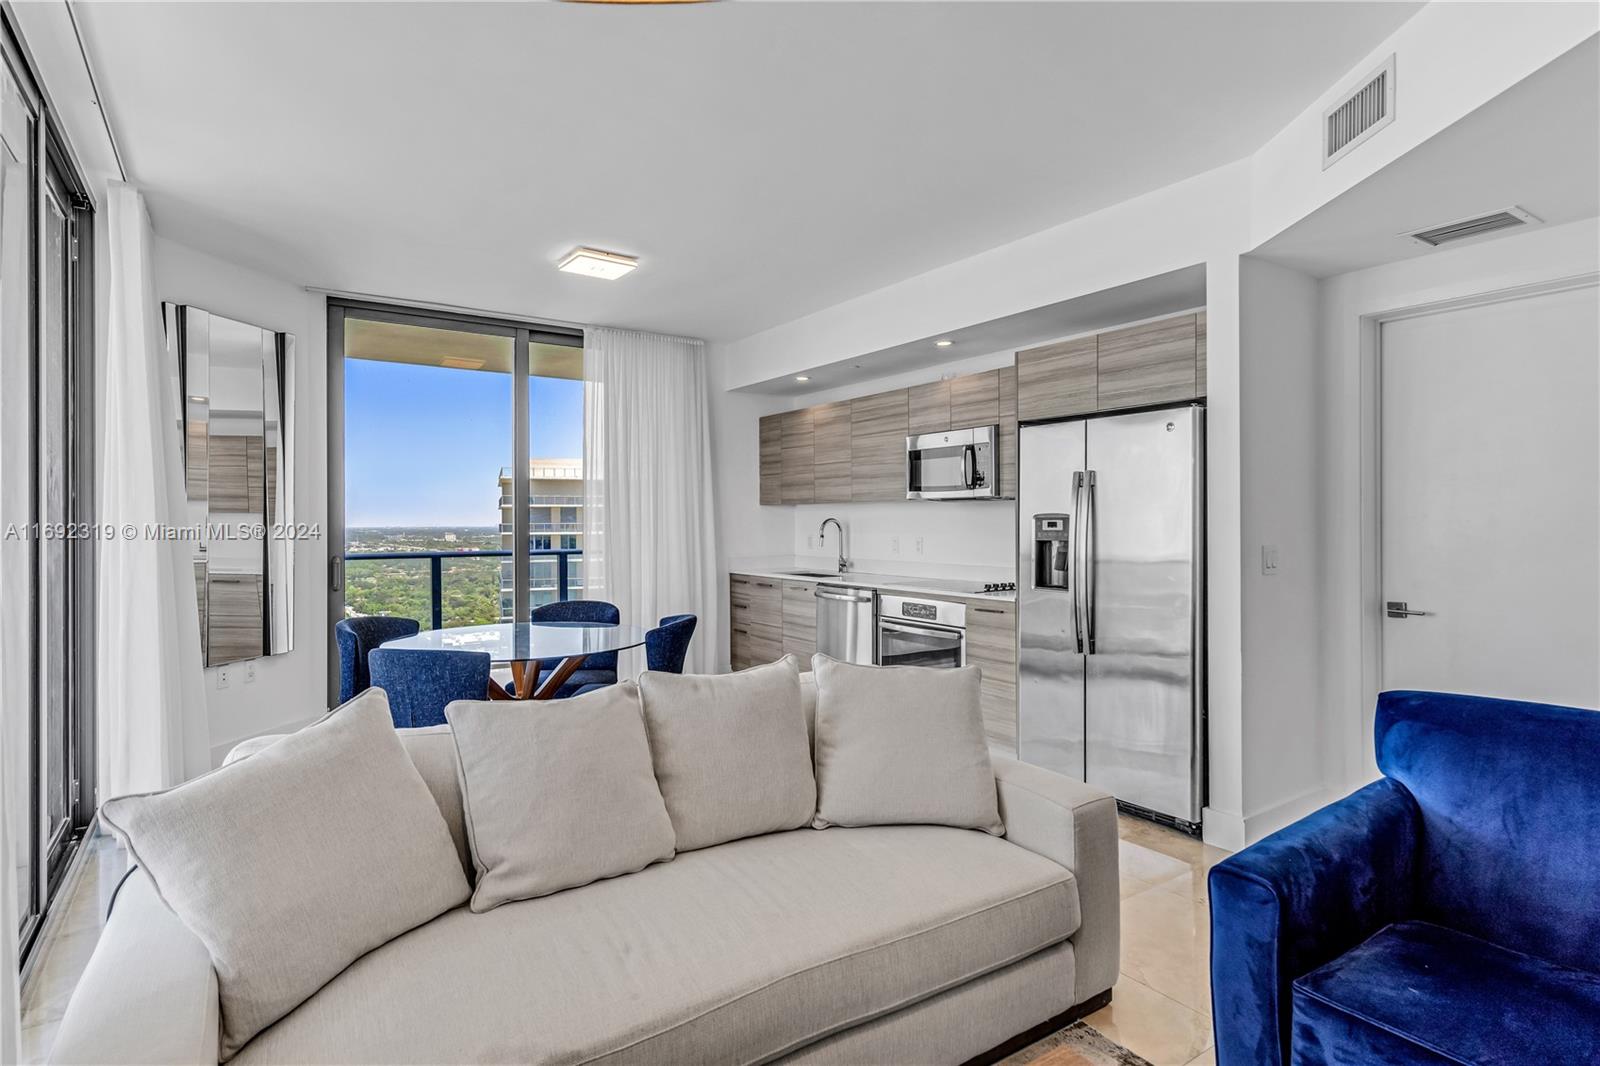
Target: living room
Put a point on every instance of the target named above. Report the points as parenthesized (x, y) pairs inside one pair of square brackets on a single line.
[(1207, 391)]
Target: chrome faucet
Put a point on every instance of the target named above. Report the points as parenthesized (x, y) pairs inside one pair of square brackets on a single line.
[(823, 533)]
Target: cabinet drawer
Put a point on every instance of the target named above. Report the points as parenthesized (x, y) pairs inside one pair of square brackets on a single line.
[(752, 644), (756, 599)]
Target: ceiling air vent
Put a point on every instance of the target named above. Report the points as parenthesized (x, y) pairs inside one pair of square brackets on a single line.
[(1359, 114), (1466, 228)]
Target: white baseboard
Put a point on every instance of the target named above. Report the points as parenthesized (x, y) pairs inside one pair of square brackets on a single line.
[(1222, 829), (1265, 823)]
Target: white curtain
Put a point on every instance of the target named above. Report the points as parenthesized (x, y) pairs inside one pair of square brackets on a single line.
[(648, 523), (150, 694)]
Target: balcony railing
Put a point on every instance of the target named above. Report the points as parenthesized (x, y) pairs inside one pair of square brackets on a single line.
[(545, 501), (436, 559)]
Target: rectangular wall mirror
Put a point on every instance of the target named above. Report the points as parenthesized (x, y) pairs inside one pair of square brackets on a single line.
[(234, 385)]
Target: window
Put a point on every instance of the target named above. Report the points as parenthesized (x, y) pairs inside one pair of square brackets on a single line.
[(46, 493)]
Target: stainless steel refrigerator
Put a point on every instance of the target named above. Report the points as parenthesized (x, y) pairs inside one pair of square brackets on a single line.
[(1111, 605)]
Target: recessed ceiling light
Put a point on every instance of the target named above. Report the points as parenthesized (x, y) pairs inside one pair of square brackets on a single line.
[(943, 343), (801, 377), (594, 263)]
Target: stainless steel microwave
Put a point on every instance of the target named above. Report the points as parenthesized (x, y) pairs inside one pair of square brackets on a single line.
[(958, 464)]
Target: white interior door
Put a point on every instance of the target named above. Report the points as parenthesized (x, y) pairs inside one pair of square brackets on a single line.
[(1491, 499)]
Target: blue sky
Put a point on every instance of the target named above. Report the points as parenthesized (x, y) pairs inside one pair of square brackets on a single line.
[(423, 445)]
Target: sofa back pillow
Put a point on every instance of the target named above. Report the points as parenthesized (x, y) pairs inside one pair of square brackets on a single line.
[(731, 752), (295, 862), (557, 793), (901, 745)]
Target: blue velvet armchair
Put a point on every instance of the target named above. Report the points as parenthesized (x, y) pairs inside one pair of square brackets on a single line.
[(1447, 913)]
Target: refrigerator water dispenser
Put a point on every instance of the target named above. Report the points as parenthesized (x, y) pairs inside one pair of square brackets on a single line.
[(1052, 551)]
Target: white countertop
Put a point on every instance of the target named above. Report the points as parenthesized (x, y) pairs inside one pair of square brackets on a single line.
[(926, 586)]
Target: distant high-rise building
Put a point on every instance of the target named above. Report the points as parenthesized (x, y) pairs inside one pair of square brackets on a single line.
[(555, 517)]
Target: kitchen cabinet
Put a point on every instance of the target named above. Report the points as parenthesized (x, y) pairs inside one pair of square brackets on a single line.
[(992, 647), (830, 436), (799, 457), (1057, 380), (1147, 364), (799, 600), (929, 408), (1007, 440), (975, 399), (1200, 354), (771, 437), (878, 446), (755, 630)]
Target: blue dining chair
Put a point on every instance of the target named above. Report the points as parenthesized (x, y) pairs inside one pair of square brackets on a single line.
[(419, 683), (357, 637), (597, 670), (664, 646)]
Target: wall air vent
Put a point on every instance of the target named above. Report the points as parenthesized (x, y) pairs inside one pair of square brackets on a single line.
[(1467, 228), (1359, 114)]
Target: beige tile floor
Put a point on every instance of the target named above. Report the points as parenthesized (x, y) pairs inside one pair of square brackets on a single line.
[(1160, 1008)]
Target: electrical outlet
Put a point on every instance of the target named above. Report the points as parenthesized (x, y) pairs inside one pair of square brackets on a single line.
[(894, 545), (222, 677), (1269, 559), (250, 672), (919, 545)]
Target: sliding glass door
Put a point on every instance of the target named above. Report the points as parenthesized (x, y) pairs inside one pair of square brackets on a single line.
[(46, 495), (455, 466)]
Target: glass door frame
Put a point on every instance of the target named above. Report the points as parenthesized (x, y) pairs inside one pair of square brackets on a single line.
[(523, 335)]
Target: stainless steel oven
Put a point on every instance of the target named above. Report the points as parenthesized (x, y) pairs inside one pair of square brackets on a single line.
[(913, 631), (958, 464)]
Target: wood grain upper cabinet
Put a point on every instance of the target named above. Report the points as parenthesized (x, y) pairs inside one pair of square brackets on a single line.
[(1200, 354), (878, 446), (830, 435), (1007, 441), (1056, 380), (772, 458), (1149, 363), (799, 457), (975, 400), (929, 407)]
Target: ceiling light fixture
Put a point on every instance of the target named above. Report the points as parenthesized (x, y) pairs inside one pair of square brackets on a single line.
[(591, 262), (801, 377), (943, 343)]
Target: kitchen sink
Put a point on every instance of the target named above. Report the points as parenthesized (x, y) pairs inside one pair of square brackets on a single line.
[(815, 573)]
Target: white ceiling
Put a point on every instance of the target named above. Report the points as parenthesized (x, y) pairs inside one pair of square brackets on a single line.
[(762, 160), (1535, 146)]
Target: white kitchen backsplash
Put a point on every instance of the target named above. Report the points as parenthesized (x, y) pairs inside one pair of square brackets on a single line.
[(970, 539)]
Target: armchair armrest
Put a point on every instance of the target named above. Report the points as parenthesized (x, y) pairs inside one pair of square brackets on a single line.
[(1301, 897), (1073, 824), (148, 995)]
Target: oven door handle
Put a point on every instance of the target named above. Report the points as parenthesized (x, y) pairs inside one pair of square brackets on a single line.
[(919, 629)]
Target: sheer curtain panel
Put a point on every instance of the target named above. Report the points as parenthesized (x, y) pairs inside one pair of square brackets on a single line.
[(648, 524), (150, 696)]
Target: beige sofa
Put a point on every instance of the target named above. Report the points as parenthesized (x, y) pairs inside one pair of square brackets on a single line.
[(890, 944)]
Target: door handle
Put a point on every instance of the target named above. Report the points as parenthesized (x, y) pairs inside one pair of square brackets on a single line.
[(1398, 609), (1072, 558), (1086, 572), (969, 467)]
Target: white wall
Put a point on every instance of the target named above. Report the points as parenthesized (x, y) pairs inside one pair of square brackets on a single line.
[(290, 689), (1347, 453)]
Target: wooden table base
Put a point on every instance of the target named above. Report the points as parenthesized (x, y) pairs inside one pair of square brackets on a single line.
[(525, 674)]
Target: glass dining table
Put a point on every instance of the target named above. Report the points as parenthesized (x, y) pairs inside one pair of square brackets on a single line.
[(523, 644)]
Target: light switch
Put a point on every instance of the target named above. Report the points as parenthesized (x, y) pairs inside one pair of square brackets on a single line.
[(1269, 559)]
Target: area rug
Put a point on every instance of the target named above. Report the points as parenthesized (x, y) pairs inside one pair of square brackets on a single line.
[(1079, 1044)]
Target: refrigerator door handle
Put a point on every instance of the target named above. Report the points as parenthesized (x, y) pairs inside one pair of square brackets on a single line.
[(1086, 571), (1076, 587)]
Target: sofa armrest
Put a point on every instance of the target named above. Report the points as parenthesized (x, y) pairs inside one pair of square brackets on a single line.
[(1303, 896), (1075, 825), (148, 995)]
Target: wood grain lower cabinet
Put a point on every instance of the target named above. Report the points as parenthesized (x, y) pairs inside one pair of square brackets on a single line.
[(992, 647), (830, 437), (878, 429), (755, 632), (1148, 364), (1057, 380), (800, 619), (929, 408), (799, 457), (771, 438)]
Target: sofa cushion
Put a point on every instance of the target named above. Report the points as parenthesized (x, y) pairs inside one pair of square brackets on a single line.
[(901, 745), (1417, 992), (730, 751), (557, 794), (736, 953), (291, 864)]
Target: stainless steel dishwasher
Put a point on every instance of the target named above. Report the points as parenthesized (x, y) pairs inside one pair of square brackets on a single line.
[(845, 623)]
